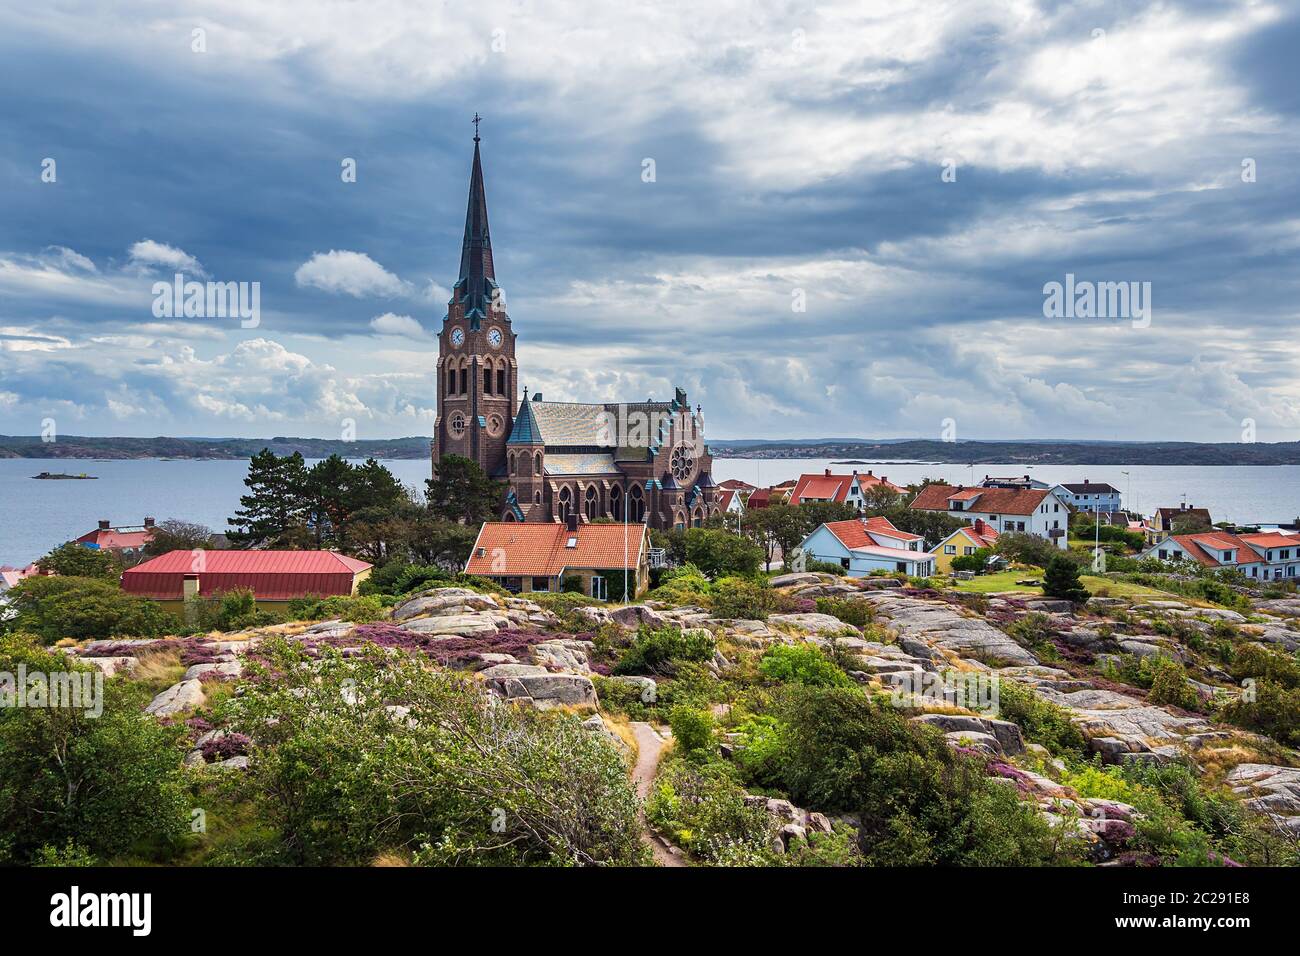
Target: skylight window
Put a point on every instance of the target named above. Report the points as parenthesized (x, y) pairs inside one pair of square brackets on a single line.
[(571, 543)]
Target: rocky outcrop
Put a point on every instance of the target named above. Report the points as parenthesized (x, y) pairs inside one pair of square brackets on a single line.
[(186, 695), (1005, 735), (531, 684), (1270, 789), (219, 671), (939, 624)]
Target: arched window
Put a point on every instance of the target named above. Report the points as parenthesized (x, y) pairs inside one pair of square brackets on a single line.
[(501, 379), (537, 465), (565, 506), (636, 505), (450, 374), (592, 502), (539, 496), (616, 503), (698, 519), (514, 464)]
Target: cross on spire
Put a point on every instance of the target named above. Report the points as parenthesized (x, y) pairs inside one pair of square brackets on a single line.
[(477, 119)]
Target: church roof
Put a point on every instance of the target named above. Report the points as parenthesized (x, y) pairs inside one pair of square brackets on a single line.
[(477, 277), (591, 464), (572, 423), (526, 430)]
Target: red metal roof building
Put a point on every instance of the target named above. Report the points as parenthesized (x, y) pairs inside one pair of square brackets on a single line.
[(270, 575)]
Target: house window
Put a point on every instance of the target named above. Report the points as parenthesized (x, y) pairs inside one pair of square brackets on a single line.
[(844, 563), (541, 584), (967, 550), (1163, 554), (949, 549)]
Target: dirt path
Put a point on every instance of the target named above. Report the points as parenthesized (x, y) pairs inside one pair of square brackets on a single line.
[(649, 745)]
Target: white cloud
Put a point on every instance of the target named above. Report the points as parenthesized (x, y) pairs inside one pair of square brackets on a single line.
[(148, 254), (401, 325), (342, 272)]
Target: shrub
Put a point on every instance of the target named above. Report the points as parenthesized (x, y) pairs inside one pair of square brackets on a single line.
[(356, 610), (1169, 685), (702, 808), (826, 567), (742, 598), (920, 802), (80, 608), (1041, 721), (659, 651), (854, 613), (801, 664), (107, 782), (1271, 709), (340, 778), (722, 553), (692, 731), (1034, 631)]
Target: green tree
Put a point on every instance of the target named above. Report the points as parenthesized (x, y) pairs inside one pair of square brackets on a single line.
[(105, 781), (75, 560), (1061, 580), (175, 535), (1022, 548), (463, 493), (976, 561), (53, 608), (274, 512), (721, 553)]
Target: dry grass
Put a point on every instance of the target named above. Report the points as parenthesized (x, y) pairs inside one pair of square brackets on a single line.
[(162, 667), (391, 858), (622, 729)]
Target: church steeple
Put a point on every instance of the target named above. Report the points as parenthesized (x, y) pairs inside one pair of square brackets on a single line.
[(477, 279)]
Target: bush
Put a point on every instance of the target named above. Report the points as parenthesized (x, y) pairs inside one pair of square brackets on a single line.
[(742, 598), (82, 608), (692, 731), (853, 613), (722, 553), (660, 651), (826, 567), (1020, 548), (920, 802), (1041, 721), (978, 561), (73, 560), (1169, 685), (684, 584), (801, 664), (702, 809), (105, 783), (1272, 709), (356, 610), (341, 779)]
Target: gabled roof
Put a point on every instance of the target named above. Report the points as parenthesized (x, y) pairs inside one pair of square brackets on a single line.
[(506, 548), (824, 487), (1201, 546), (985, 537), (596, 463), (271, 575), (1271, 539), (725, 497), (1088, 488), (857, 533), (572, 423), (997, 501), (759, 498), (1172, 514), (125, 538), (735, 484)]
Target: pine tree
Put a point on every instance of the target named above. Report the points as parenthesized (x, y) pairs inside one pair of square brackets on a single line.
[(274, 512), (462, 492), (1061, 580)]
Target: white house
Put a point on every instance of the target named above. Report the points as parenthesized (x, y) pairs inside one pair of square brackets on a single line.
[(1036, 511), (863, 545), (730, 503), (1280, 551), (1265, 556), (1090, 497)]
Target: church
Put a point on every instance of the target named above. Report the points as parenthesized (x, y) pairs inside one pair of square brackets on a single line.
[(561, 462)]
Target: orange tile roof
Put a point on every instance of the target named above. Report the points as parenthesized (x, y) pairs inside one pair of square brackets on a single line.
[(1200, 545), (997, 501), (509, 548), (1271, 539), (857, 533)]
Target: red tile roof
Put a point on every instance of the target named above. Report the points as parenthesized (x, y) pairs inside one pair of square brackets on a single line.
[(735, 484), (1200, 545), (997, 501), (858, 533), (509, 548), (724, 498), (759, 499), (271, 575), (825, 487), (1271, 539)]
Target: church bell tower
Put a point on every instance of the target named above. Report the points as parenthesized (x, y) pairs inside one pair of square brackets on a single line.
[(477, 371)]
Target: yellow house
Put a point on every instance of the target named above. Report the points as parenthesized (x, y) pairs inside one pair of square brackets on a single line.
[(962, 542)]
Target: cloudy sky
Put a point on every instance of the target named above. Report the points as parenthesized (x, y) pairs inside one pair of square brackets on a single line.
[(913, 173)]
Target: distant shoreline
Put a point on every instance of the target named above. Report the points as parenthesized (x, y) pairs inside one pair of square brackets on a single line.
[(842, 451)]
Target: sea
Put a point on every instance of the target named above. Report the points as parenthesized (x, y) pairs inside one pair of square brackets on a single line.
[(36, 516)]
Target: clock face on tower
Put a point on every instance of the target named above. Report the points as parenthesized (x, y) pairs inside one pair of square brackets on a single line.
[(494, 338), (457, 337)]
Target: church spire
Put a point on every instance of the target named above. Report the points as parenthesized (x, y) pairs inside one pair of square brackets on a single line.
[(477, 280)]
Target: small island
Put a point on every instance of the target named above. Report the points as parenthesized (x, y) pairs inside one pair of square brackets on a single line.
[(51, 476)]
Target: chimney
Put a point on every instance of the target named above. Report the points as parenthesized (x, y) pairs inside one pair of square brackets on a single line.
[(979, 526), (148, 522), (883, 479), (104, 524), (828, 472), (572, 522), (1085, 481)]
